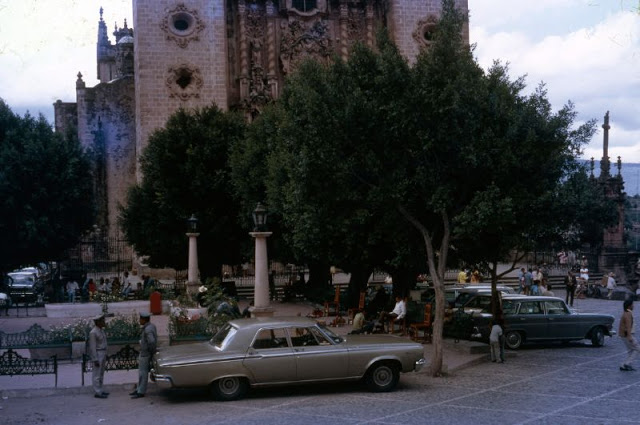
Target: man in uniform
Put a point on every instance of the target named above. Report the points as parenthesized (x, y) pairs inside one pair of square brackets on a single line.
[(98, 353), (148, 344)]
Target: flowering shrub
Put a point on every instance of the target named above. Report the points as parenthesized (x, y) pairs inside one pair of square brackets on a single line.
[(79, 330), (123, 328), (120, 328)]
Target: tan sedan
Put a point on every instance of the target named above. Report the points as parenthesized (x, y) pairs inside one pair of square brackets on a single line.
[(279, 351)]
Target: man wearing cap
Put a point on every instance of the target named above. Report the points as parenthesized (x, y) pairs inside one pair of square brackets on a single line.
[(98, 353), (148, 344)]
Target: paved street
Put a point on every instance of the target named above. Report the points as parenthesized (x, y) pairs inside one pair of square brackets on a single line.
[(541, 384)]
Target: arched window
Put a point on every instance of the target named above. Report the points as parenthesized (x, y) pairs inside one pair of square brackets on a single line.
[(304, 5)]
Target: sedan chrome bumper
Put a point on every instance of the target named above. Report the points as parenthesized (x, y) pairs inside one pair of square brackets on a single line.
[(163, 381), (419, 364)]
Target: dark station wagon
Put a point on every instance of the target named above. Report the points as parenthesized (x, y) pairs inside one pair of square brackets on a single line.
[(537, 319)]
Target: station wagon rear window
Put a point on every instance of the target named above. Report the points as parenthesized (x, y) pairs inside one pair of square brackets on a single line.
[(530, 307)]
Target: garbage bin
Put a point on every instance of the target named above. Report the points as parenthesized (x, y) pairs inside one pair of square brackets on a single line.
[(155, 303)]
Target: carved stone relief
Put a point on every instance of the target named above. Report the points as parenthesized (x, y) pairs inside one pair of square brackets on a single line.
[(301, 40), (356, 25), (257, 92), (182, 25), (184, 81), (423, 33)]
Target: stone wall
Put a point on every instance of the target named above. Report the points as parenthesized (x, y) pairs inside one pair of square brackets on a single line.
[(179, 60), (107, 129), (409, 22), (65, 116)]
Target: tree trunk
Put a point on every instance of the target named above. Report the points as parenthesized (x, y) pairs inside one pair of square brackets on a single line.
[(437, 266), (319, 274), (357, 283), (438, 325)]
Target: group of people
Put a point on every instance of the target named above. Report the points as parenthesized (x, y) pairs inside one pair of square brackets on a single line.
[(468, 276), (579, 285), (534, 281), (98, 352), (382, 322), (107, 285)]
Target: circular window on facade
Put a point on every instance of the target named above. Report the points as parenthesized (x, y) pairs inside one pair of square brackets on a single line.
[(182, 23), (425, 31)]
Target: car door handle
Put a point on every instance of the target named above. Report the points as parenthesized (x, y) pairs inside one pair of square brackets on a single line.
[(298, 350)]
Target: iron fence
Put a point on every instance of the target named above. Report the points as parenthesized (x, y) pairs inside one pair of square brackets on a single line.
[(97, 256)]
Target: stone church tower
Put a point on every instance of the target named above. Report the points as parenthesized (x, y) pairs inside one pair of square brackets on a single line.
[(236, 53)]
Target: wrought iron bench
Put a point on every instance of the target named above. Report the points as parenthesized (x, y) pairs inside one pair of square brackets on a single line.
[(12, 363), (125, 359)]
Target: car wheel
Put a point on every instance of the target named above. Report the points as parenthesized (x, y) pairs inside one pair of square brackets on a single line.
[(597, 337), (383, 377), (513, 340), (227, 389)]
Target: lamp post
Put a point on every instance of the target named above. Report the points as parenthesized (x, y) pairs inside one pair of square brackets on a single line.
[(261, 307), (192, 271)]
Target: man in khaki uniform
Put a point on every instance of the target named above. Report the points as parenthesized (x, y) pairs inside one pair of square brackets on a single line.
[(148, 345), (98, 353)]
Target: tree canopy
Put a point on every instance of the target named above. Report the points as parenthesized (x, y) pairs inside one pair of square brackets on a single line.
[(186, 171), (365, 148), (45, 191)]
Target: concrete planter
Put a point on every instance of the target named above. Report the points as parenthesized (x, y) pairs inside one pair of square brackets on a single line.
[(93, 309)]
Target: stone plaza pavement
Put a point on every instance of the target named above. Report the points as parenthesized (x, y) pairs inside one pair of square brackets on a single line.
[(539, 384)]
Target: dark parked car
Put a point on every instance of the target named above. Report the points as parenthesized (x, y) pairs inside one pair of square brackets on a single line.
[(535, 319), (457, 295), (25, 286)]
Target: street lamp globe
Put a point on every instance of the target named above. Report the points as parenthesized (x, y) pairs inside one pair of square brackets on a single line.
[(259, 218)]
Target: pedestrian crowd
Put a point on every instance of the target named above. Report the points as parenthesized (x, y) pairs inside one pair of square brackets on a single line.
[(115, 286)]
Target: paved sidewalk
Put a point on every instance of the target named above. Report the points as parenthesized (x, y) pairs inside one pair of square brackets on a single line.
[(456, 356)]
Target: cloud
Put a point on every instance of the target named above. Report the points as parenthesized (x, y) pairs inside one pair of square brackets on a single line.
[(596, 67), (40, 65)]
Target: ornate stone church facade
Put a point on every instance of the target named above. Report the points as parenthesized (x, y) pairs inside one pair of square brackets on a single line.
[(234, 53)]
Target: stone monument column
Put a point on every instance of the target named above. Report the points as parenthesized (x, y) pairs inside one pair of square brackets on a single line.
[(261, 307), (193, 278)]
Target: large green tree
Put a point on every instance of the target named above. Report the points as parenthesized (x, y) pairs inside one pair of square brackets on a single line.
[(312, 146), (186, 171), (530, 189), (461, 155), (481, 162), (45, 191)]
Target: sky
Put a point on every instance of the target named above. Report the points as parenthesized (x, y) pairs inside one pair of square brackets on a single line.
[(584, 51)]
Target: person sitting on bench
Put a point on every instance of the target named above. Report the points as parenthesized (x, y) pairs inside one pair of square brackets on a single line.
[(398, 313)]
